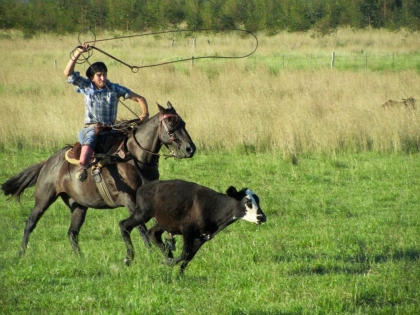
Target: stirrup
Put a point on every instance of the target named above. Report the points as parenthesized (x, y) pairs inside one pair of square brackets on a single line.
[(81, 174)]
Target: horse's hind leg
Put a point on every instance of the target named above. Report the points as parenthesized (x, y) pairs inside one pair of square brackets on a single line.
[(42, 202), (78, 215)]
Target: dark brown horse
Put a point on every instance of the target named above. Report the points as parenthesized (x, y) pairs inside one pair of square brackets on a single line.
[(55, 177)]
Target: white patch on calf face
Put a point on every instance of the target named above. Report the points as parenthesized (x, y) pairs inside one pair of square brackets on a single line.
[(251, 208)]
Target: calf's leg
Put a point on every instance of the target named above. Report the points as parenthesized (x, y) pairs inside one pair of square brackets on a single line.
[(131, 207), (126, 226), (191, 245), (155, 235)]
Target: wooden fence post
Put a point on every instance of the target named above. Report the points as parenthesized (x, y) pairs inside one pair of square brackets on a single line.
[(366, 62), (332, 59)]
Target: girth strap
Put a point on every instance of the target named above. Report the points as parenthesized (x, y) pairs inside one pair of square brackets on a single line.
[(103, 189)]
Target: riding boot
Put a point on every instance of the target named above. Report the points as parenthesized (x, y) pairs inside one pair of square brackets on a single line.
[(84, 162)]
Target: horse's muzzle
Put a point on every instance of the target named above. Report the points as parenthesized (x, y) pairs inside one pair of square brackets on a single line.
[(187, 151)]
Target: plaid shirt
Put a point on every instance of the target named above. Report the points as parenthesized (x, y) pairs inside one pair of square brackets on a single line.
[(100, 105)]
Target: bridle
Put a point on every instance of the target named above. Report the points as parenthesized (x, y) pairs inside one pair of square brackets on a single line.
[(169, 131)]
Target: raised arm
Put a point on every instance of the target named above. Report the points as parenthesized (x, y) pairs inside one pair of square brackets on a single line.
[(72, 62)]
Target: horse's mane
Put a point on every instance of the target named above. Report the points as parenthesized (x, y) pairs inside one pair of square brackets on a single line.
[(125, 126)]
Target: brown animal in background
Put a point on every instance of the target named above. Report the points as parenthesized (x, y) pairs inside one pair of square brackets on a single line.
[(409, 103)]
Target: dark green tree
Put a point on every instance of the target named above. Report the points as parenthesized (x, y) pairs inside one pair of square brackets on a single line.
[(298, 16), (322, 16), (9, 12), (371, 12), (193, 14), (275, 18)]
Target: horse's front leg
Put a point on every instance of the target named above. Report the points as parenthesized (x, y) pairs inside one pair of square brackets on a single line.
[(78, 216)]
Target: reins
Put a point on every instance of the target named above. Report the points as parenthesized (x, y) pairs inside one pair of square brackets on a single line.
[(162, 119), (125, 124)]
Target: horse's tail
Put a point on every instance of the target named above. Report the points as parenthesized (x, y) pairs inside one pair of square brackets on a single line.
[(16, 185)]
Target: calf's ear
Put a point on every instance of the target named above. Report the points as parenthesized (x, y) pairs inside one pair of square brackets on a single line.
[(231, 191)]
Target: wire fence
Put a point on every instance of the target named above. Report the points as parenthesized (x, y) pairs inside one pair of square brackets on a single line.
[(346, 61)]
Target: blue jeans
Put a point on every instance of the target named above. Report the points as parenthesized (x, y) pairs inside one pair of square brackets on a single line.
[(87, 136)]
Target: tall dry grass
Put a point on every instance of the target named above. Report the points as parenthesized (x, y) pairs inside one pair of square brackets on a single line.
[(257, 103)]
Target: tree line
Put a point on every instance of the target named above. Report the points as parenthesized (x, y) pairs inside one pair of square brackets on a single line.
[(270, 16)]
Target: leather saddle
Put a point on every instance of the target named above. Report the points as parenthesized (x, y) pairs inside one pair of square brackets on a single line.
[(110, 150)]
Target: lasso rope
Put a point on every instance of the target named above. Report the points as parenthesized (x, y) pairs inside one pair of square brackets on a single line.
[(85, 58), (135, 69)]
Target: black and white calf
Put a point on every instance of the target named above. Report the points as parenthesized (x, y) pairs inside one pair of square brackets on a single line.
[(183, 208)]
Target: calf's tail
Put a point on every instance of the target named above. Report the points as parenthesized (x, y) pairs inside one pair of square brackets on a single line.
[(15, 186)]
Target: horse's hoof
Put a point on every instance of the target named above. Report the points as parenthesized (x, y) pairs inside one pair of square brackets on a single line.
[(78, 253), (169, 262), (127, 262)]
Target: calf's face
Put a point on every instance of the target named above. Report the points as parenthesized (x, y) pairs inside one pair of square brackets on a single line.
[(253, 212)]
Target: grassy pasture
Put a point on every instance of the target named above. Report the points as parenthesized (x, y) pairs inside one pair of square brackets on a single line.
[(342, 237), (343, 227)]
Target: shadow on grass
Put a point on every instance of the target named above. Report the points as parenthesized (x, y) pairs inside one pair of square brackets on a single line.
[(359, 263), (297, 311)]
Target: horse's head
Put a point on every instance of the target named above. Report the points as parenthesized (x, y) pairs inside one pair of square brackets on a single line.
[(173, 134)]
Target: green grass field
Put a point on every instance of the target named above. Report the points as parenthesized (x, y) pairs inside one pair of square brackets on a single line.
[(343, 229), (342, 237)]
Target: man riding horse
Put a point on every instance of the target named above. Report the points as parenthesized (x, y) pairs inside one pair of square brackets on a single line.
[(101, 104), (118, 182)]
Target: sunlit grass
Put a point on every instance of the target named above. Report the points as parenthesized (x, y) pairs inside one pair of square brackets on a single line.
[(284, 98), (342, 237)]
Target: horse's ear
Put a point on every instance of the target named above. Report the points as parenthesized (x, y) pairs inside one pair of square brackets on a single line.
[(161, 109), (231, 191), (169, 105)]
